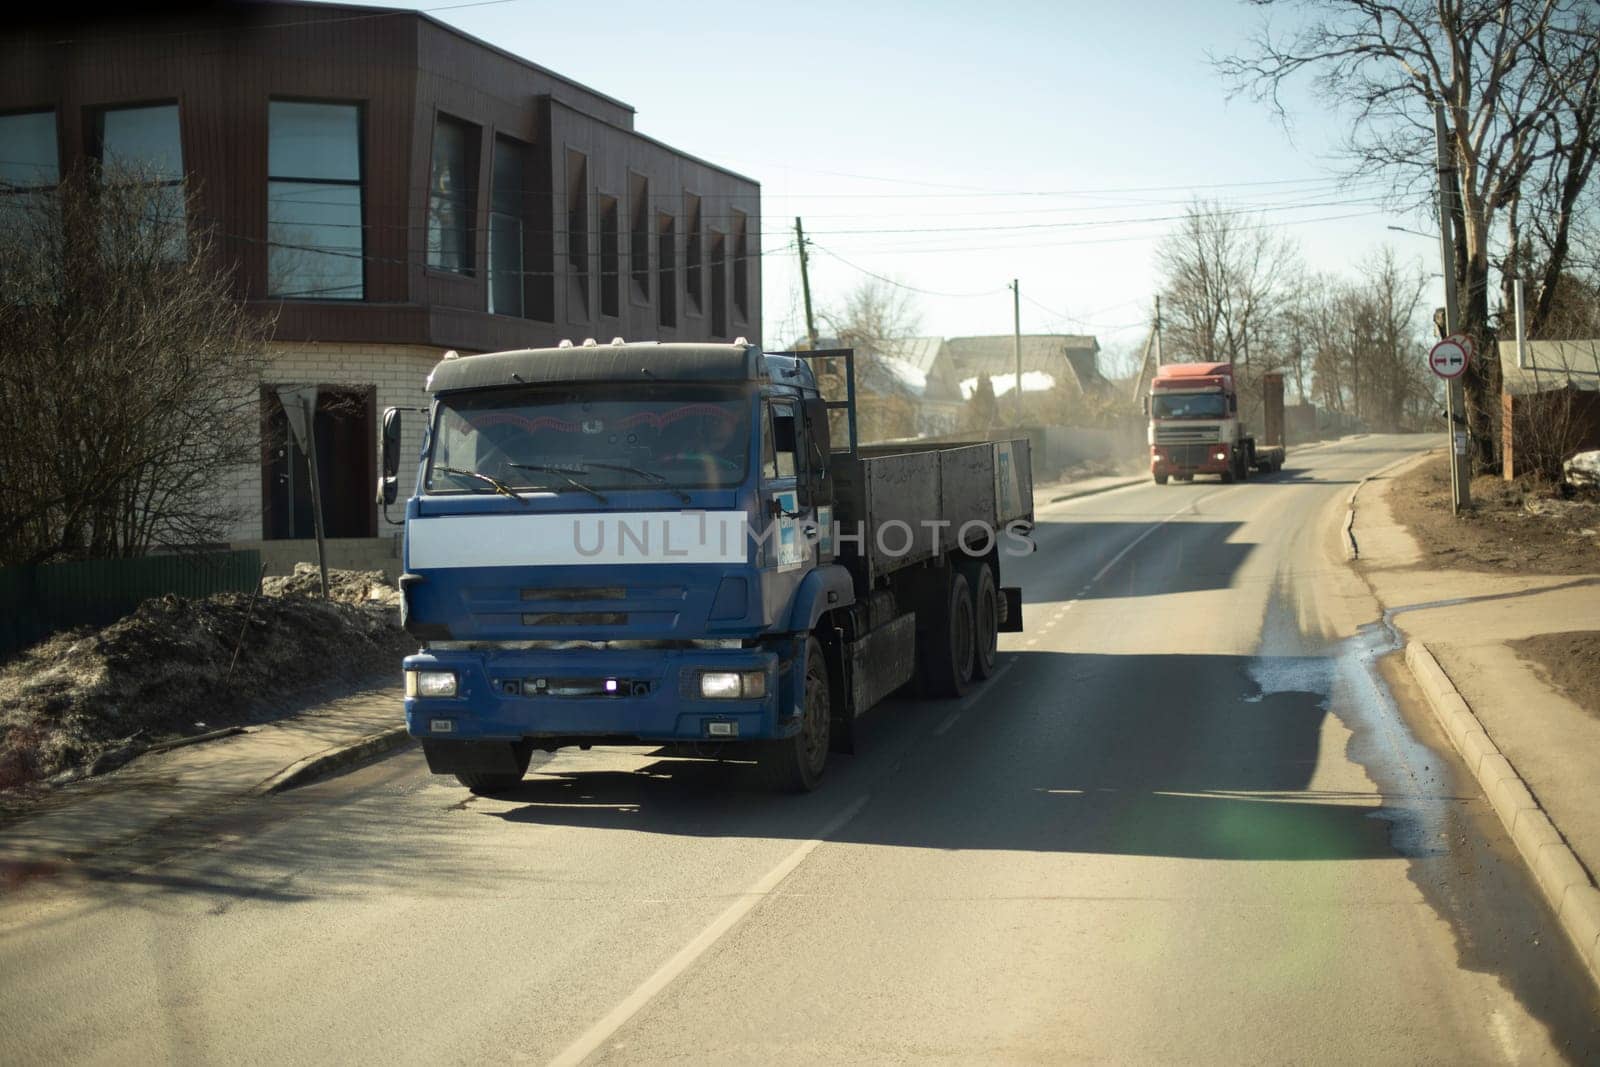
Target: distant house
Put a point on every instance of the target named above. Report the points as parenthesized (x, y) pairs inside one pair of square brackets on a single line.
[(1048, 360), (1550, 404), (904, 388)]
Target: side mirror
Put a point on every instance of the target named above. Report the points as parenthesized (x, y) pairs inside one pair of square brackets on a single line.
[(820, 446), (389, 484), (1144, 403)]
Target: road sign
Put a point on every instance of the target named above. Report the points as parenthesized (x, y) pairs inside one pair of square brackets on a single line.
[(1468, 345), (1448, 358)]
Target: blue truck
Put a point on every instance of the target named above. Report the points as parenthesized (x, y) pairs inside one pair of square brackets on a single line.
[(684, 545)]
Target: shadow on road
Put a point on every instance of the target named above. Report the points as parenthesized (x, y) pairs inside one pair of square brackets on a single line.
[(1181, 756), (1189, 556)]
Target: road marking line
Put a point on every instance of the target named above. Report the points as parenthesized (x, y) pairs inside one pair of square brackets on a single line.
[(597, 1035), (1131, 545), (950, 720)]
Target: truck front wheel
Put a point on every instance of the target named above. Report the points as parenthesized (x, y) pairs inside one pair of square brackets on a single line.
[(795, 764)]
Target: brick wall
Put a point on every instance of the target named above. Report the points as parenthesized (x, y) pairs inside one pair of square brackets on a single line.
[(395, 372)]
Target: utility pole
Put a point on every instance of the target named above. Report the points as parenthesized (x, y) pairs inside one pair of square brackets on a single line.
[(1158, 329), (805, 283), (1455, 396), (1016, 345)]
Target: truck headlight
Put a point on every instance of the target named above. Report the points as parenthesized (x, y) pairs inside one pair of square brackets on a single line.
[(733, 685), (430, 683)]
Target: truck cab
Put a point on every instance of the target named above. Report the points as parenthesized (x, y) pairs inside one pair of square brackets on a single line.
[(1196, 426)]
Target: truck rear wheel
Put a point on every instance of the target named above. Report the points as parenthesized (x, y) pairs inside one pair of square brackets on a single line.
[(795, 764), (948, 650), (1161, 479), (986, 617)]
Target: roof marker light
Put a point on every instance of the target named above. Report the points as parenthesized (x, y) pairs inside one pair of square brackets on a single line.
[(618, 341), (589, 342), (452, 354), (566, 342)]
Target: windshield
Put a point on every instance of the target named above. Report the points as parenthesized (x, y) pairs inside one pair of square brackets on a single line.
[(591, 437), (1189, 406)]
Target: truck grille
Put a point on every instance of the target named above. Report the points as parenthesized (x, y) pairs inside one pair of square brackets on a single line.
[(1188, 455), (1177, 435)]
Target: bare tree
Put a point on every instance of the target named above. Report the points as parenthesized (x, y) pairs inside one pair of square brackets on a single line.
[(877, 319), (129, 375), (1518, 81), (1227, 278)]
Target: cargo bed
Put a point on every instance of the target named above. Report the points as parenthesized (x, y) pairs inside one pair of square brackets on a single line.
[(912, 501)]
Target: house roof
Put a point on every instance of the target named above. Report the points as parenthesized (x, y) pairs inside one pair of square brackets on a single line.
[(1069, 358), (1550, 365)]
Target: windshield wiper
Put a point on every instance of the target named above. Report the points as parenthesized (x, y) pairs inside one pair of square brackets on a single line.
[(500, 487), (652, 475), (564, 473)]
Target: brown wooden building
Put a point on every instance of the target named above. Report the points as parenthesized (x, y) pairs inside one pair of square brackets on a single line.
[(388, 187)]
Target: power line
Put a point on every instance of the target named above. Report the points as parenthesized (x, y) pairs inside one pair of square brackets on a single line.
[(902, 285)]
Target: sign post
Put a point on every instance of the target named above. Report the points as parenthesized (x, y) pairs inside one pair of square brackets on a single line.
[(300, 408), (1448, 360)]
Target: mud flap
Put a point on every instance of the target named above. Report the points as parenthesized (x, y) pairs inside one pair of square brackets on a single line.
[(1010, 609), (470, 757)]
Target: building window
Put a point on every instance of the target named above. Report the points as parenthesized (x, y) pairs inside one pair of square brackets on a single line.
[(451, 195), (30, 164), (741, 267), (314, 235), (609, 258), (693, 281), (578, 231), (639, 235), (667, 269), (506, 228), (719, 285), (143, 144)]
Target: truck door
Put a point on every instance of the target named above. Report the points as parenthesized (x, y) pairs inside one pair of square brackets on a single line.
[(786, 553), (783, 471)]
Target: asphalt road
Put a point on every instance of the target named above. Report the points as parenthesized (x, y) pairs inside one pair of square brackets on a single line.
[(1194, 819)]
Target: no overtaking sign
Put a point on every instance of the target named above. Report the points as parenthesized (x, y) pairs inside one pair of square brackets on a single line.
[(1449, 357)]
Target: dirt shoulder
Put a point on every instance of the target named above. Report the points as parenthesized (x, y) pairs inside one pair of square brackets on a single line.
[(1518, 527), (1569, 662), (87, 700)]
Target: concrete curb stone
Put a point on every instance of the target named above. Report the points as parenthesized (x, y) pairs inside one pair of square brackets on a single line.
[(318, 764), (1563, 879), (1096, 490), (1352, 551)]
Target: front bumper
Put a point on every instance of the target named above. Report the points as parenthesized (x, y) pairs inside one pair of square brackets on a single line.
[(567, 697), (1190, 459)]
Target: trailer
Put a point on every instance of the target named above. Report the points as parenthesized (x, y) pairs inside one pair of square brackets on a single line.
[(686, 544)]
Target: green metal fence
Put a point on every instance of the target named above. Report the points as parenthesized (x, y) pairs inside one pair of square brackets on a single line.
[(36, 602)]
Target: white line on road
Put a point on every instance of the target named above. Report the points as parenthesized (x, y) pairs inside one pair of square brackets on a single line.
[(1131, 545), (600, 1032)]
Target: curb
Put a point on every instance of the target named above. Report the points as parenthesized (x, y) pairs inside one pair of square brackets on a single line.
[(317, 764), (1352, 550), (1097, 490), (1563, 879)]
